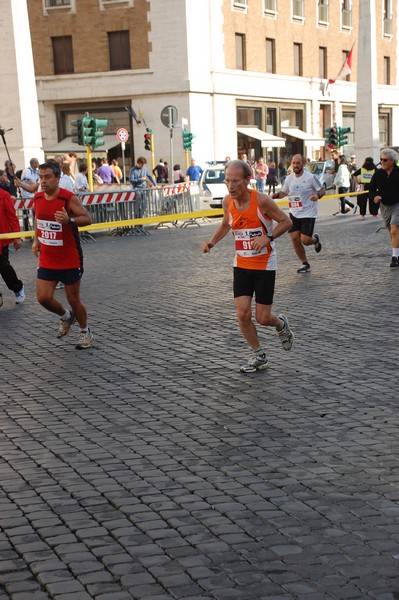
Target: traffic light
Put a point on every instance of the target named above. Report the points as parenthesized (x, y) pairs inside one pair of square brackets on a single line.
[(96, 132), (187, 139), (147, 140), (333, 137), (342, 136), (77, 133)]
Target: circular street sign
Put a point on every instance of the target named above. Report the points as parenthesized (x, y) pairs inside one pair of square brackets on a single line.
[(122, 134), (169, 116)]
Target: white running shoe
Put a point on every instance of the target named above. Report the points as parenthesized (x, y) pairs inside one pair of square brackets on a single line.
[(65, 326), (256, 362), (84, 340), (285, 334), (20, 296)]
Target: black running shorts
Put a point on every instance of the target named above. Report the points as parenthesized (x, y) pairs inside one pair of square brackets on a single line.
[(247, 282), (66, 276), (305, 226)]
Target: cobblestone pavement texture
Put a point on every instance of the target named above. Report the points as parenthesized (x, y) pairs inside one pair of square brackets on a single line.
[(148, 467)]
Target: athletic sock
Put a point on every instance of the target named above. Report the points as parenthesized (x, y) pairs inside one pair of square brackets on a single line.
[(83, 329), (259, 351), (66, 316), (395, 252)]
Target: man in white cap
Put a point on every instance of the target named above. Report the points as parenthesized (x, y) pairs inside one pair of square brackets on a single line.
[(352, 168)]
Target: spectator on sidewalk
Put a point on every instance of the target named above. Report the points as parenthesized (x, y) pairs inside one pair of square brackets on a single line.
[(9, 223)]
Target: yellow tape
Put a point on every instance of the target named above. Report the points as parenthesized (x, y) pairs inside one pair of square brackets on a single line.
[(215, 212)]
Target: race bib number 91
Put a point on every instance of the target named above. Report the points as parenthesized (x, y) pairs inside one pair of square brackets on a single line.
[(243, 239), (49, 233)]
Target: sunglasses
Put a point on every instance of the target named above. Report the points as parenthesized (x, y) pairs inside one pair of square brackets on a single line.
[(385, 159)]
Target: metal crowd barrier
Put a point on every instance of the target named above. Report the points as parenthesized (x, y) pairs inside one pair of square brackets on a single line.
[(112, 205)]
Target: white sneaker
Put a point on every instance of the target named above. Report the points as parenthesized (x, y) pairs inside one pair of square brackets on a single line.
[(84, 340), (256, 362), (285, 334), (20, 296), (65, 326)]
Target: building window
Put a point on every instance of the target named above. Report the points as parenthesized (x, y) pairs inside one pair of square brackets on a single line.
[(241, 5), (346, 14), (383, 122), (270, 7), (298, 70), (323, 12), (387, 70), (298, 10), (240, 51), (270, 55), (107, 3), (271, 120), (387, 17), (345, 54), (322, 62), (60, 5), (119, 50), (62, 54), (248, 116)]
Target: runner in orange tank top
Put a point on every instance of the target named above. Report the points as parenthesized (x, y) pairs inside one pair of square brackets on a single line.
[(250, 216), (58, 213)]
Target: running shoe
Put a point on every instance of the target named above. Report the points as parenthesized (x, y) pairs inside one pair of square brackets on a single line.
[(65, 326), (59, 286), (317, 245), (304, 269), (285, 334), (84, 340), (355, 208), (256, 362), (394, 262), (20, 296)]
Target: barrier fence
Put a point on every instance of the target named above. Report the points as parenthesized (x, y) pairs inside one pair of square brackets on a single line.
[(127, 211)]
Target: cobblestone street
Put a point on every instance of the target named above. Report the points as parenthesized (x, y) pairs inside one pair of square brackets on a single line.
[(148, 467)]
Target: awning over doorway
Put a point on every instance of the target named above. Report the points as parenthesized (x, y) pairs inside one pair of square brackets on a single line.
[(67, 145), (302, 135), (267, 139)]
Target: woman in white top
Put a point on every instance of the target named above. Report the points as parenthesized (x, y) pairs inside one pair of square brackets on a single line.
[(81, 183), (342, 181)]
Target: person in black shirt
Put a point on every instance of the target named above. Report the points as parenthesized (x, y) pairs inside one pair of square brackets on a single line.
[(384, 189)]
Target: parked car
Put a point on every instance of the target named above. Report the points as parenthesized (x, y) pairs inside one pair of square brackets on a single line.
[(212, 188), (324, 170)]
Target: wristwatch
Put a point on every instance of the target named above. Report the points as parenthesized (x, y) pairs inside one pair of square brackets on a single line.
[(270, 236), (71, 221)]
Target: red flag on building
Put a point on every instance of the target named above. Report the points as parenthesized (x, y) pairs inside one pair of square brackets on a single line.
[(345, 70)]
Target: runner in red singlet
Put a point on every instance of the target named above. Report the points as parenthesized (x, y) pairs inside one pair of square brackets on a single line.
[(58, 214), (250, 215)]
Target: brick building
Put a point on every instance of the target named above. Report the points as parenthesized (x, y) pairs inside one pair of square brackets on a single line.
[(248, 75)]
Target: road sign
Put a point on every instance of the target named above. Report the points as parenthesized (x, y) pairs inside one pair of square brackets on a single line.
[(169, 116), (122, 134)]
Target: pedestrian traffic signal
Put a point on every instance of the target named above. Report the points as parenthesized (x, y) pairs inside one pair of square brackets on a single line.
[(148, 140), (188, 139), (343, 136)]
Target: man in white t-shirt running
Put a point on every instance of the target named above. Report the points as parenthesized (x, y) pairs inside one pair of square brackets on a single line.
[(303, 190)]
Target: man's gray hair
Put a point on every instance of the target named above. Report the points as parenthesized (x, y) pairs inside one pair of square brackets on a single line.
[(246, 169), (391, 153)]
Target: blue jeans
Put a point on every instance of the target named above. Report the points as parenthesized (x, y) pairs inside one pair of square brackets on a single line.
[(260, 185)]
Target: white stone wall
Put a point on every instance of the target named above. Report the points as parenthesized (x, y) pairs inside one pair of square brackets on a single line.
[(19, 105)]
